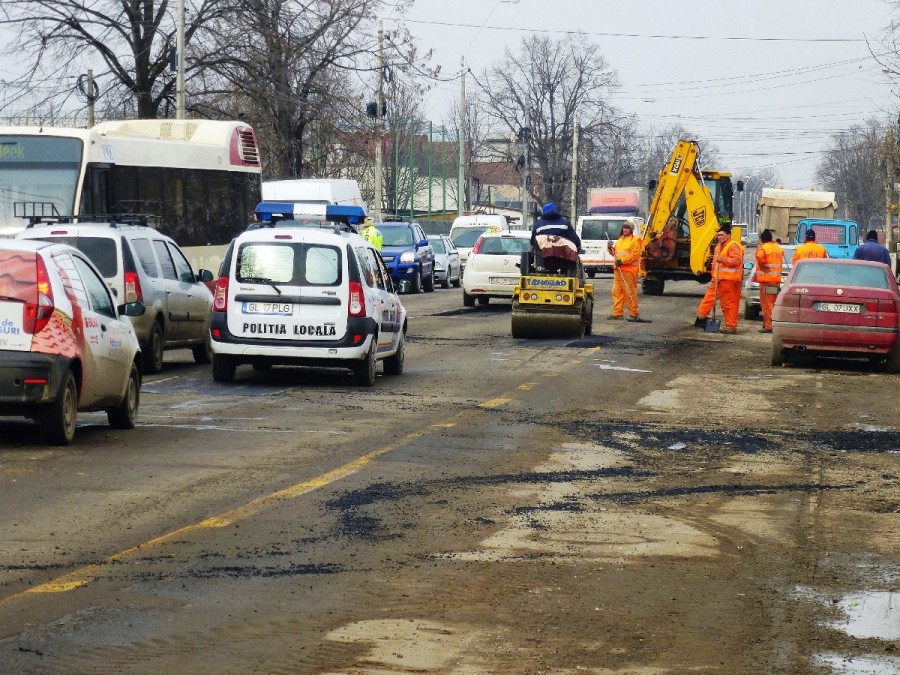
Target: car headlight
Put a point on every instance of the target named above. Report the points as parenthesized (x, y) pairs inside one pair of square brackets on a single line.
[(407, 256)]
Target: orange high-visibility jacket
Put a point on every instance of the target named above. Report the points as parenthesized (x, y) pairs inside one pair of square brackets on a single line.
[(728, 261), (628, 250), (769, 261), (810, 249)]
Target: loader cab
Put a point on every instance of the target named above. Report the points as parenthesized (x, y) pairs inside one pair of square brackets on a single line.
[(721, 191)]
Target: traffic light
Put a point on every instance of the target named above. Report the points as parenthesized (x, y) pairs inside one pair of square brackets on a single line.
[(372, 109)]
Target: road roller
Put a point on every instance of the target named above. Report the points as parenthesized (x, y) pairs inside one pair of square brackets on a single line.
[(551, 304)]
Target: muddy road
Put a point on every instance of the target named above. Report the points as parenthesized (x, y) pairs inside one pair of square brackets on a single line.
[(650, 499)]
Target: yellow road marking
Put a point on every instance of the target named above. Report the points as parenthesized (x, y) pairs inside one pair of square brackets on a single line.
[(495, 402), (85, 575)]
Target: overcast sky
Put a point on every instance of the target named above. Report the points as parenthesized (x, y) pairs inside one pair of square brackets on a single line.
[(768, 87), (767, 82)]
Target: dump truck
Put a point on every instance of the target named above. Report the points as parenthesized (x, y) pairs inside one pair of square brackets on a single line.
[(688, 207), (550, 304), (780, 210), (607, 210)]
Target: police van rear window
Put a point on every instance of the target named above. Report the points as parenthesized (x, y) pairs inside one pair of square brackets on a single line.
[(294, 264)]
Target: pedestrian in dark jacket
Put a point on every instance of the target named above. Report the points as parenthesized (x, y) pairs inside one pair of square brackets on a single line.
[(872, 250), (556, 240)]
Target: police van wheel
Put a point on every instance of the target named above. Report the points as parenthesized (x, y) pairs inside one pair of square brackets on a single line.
[(393, 365), (223, 368), (364, 371)]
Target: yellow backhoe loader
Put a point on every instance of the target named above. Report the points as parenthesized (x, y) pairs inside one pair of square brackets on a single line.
[(687, 208)]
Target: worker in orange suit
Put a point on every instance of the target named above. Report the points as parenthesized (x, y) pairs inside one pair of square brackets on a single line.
[(627, 251), (727, 274), (810, 248), (769, 263)]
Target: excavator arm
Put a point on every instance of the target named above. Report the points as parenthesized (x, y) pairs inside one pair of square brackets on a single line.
[(682, 208)]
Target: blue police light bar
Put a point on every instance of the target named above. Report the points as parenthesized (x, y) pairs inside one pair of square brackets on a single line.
[(265, 210), (352, 215)]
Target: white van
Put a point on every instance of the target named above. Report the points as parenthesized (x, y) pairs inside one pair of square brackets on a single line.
[(466, 229), (300, 296), (308, 196)]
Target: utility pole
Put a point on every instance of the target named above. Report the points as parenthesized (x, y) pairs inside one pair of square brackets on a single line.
[(460, 198), (179, 75), (379, 70), (525, 138), (573, 211), (890, 147), (90, 98)]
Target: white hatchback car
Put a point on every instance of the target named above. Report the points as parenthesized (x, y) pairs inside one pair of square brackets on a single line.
[(306, 297), (64, 345), (492, 269)]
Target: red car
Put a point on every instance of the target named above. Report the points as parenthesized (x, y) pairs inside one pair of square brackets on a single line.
[(846, 308)]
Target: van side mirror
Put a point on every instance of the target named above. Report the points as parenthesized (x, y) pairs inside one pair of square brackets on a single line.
[(204, 276)]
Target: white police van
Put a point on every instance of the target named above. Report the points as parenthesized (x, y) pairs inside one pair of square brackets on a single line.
[(306, 296)]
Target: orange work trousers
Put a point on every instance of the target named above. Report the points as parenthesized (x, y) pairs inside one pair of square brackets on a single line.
[(729, 294), (623, 295), (767, 302)]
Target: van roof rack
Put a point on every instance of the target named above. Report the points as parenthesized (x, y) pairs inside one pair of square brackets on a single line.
[(113, 220)]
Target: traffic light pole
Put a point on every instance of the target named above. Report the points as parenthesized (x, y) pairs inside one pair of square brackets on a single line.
[(378, 121)]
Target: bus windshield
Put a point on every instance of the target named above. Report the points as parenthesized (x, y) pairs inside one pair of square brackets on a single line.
[(38, 177)]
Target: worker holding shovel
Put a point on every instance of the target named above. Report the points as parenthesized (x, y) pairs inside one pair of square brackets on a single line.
[(727, 272), (627, 251)]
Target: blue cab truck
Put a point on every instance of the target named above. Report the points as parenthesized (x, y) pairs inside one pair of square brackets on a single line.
[(839, 237)]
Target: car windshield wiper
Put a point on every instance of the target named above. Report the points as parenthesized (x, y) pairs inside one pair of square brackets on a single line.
[(261, 280)]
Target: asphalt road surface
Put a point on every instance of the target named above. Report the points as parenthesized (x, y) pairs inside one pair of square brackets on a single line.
[(649, 499)]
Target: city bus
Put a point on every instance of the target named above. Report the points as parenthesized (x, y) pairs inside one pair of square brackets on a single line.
[(196, 181)]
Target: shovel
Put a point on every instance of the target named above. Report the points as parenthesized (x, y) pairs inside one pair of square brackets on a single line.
[(712, 323)]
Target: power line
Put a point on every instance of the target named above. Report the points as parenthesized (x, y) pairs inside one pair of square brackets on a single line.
[(639, 35)]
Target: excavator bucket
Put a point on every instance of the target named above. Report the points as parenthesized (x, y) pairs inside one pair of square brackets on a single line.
[(551, 306)]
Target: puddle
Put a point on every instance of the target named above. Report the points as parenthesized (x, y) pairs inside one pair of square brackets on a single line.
[(872, 614), (858, 665)]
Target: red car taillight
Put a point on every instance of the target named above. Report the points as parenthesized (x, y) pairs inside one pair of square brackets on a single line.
[(220, 297), (357, 301), (477, 247), (37, 314), (133, 291)]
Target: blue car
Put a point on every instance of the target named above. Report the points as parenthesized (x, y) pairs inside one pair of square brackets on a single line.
[(407, 254)]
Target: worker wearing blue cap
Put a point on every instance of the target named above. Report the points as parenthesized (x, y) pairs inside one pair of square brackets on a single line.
[(556, 240)]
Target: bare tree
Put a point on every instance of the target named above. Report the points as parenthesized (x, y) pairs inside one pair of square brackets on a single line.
[(131, 38), (854, 168), (544, 87)]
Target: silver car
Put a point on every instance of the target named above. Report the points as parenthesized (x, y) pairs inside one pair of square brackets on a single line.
[(446, 261), (752, 309), (140, 264)]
